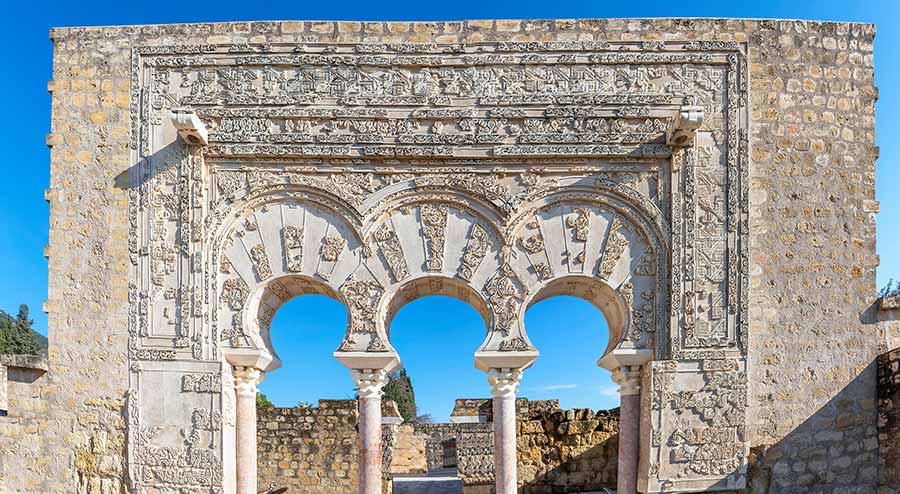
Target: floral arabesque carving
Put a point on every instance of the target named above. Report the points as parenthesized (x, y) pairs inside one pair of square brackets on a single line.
[(477, 247), (293, 247), (260, 260), (505, 295), (434, 226), (332, 247), (362, 297), (234, 293), (392, 251)]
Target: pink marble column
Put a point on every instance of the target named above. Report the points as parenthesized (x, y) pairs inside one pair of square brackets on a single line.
[(629, 380), (370, 383), (246, 380), (504, 383)]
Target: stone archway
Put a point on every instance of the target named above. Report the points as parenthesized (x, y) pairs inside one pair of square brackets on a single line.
[(498, 173)]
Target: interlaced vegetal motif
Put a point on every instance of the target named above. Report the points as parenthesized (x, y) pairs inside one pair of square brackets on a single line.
[(616, 243), (293, 247), (434, 227), (477, 247), (504, 294), (332, 247), (362, 300), (392, 251), (511, 153), (260, 260)]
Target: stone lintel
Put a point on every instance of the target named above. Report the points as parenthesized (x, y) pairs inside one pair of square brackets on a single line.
[(505, 360), (387, 361), (23, 361)]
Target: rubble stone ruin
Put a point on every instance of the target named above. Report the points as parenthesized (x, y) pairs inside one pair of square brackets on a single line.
[(707, 184)]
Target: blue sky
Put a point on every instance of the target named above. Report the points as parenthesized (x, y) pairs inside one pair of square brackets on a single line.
[(442, 371)]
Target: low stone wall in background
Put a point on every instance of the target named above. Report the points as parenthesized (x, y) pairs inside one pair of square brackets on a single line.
[(309, 450), (314, 450), (889, 419), (567, 450)]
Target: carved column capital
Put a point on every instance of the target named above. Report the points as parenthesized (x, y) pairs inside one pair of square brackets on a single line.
[(504, 382), (246, 380), (628, 377), (370, 382)]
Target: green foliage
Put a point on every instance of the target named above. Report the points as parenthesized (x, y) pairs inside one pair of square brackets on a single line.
[(17, 335), (262, 401), (890, 289), (399, 389)]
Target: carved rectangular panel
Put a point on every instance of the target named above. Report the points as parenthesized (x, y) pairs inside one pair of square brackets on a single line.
[(175, 418), (697, 440)]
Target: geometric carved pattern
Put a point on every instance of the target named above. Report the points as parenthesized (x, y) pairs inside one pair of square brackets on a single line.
[(527, 163)]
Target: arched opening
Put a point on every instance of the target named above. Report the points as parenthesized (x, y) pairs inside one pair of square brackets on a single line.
[(436, 337), (571, 334), (436, 324), (572, 321), (305, 331)]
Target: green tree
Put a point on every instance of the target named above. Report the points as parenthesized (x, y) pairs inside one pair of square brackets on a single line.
[(890, 289), (399, 389), (262, 401), (17, 335)]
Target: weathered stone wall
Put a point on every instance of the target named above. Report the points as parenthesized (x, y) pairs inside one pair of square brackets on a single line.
[(567, 450), (309, 449), (316, 449), (21, 430), (889, 419), (407, 451), (812, 235)]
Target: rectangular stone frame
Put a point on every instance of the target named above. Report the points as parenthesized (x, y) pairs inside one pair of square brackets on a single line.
[(171, 194)]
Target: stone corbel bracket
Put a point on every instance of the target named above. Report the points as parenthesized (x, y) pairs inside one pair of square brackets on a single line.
[(190, 127), (683, 128)]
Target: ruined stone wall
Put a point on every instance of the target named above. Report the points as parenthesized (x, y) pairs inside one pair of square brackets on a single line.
[(889, 419), (567, 450), (812, 255), (407, 451), (309, 449), (23, 397)]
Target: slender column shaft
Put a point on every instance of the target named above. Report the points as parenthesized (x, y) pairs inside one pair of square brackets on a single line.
[(629, 380), (504, 383), (246, 380), (370, 383)]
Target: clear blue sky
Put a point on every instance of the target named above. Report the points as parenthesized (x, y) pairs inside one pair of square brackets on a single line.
[(439, 374)]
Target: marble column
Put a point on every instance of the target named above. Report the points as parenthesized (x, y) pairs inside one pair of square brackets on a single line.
[(505, 383), (371, 384), (246, 380), (628, 378)]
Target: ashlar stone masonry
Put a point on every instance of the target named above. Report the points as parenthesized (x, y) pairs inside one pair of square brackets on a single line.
[(707, 184)]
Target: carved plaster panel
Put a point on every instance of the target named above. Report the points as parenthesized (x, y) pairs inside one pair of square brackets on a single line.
[(350, 170), (698, 436)]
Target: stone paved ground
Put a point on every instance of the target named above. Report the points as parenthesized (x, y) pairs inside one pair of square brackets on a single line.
[(434, 482)]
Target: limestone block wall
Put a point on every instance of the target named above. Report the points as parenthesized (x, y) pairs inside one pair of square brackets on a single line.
[(812, 230), (23, 391), (889, 419), (309, 449), (567, 450), (407, 450)]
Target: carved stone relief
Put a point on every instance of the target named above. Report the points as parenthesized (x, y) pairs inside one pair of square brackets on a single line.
[(358, 168)]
